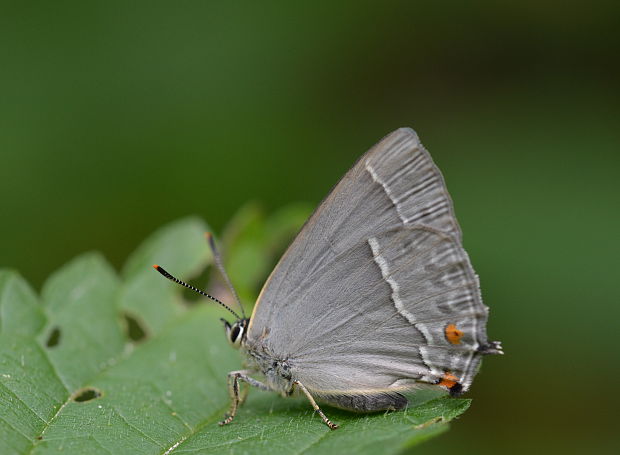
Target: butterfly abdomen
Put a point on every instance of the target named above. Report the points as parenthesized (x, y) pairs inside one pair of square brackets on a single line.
[(382, 401)]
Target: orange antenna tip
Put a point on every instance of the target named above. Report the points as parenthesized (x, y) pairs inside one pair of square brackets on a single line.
[(155, 266)]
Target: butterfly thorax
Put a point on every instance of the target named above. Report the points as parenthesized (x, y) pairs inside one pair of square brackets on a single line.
[(276, 369)]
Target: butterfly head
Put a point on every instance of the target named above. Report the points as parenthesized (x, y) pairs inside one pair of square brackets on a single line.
[(236, 332)]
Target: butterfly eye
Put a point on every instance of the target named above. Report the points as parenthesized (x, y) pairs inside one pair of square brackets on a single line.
[(235, 334)]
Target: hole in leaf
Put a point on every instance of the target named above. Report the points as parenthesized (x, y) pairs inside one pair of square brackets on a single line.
[(87, 394), (54, 338), (134, 329)]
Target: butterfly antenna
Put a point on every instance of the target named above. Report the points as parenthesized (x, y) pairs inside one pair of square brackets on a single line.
[(189, 286), (220, 266)]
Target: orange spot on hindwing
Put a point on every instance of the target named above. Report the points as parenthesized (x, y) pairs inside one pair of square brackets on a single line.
[(448, 380), (451, 382), (453, 334)]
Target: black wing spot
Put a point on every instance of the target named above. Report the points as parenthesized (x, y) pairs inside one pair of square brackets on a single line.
[(456, 390)]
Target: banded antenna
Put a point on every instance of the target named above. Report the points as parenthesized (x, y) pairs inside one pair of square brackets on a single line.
[(220, 266), (189, 286)]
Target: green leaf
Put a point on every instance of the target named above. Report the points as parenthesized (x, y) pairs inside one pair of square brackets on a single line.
[(72, 380), (80, 300), (20, 312)]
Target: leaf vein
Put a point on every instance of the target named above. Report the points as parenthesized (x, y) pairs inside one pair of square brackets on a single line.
[(135, 428), (22, 402), (20, 432)]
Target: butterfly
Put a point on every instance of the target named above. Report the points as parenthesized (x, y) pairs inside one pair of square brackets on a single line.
[(375, 296)]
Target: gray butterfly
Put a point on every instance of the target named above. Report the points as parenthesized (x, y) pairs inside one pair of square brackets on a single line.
[(375, 296)]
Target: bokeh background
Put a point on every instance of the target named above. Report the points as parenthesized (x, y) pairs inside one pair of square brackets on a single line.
[(117, 117)]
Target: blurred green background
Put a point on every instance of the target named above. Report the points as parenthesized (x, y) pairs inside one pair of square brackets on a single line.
[(117, 117)]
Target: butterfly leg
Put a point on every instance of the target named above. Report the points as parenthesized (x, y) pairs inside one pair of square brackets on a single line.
[(328, 422), (234, 377)]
